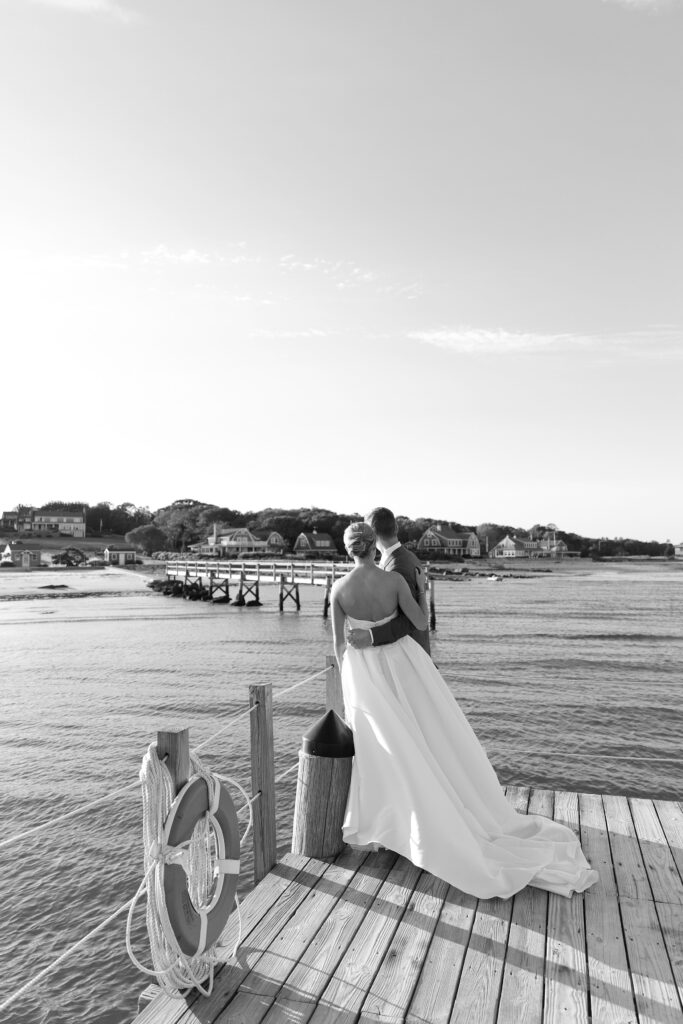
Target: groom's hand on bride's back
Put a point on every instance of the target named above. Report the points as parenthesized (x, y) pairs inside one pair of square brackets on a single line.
[(359, 638)]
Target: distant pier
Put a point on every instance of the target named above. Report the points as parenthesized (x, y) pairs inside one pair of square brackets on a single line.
[(210, 580)]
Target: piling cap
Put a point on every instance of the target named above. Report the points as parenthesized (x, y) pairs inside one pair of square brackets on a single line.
[(328, 737)]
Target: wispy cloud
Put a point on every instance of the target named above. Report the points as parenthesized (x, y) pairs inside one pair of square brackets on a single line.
[(660, 340), (107, 8)]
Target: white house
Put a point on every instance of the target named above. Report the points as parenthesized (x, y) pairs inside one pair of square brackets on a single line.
[(65, 522), (20, 556), (240, 540), (440, 541), (314, 543), (120, 554), (523, 546), (678, 550)]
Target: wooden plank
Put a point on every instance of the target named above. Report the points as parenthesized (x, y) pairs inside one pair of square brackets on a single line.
[(258, 911), (259, 989), (344, 995), (566, 983), (208, 1008), (595, 843), (435, 991), (656, 992), (660, 865), (629, 869), (611, 991), (393, 985), (481, 978), (671, 922), (671, 819), (521, 997), (298, 998)]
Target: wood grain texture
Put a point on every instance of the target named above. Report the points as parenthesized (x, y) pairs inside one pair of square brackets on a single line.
[(299, 997), (671, 819), (660, 865), (263, 778), (393, 985), (609, 980), (656, 992), (566, 983), (334, 696), (523, 974), (344, 995), (629, 869)]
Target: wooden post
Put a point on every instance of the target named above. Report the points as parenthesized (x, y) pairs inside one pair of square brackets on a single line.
[(432, 606), (296, 597), (263, 778), (176, 744), (326, 602), (282, 592), (334, 697)]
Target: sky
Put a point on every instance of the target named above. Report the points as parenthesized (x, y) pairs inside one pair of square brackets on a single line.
[(342, 254)]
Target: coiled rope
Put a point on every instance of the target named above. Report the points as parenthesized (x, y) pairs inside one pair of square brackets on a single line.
[(173, 969)]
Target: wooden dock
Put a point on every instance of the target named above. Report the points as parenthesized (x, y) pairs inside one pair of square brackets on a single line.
[(370, 938)]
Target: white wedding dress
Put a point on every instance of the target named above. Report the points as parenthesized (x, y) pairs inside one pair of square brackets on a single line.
[(423, 786)]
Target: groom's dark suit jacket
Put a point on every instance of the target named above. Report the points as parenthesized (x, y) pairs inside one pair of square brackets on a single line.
[(404, 562)]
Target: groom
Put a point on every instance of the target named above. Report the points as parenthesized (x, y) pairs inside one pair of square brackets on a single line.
[(395, 558)]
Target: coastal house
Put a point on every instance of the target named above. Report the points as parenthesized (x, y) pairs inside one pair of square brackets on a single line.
[(442, 541), (120, 554), (17, 554), (64, 521), (523, 545), (314, 544), (233, 542), (678, 550)]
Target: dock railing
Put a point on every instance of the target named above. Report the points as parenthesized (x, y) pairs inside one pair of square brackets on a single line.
[(173, 745)]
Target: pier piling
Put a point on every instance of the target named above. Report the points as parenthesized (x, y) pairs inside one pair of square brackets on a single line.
[(263, 778)]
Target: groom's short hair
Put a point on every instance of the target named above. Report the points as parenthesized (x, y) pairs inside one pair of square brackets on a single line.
[(383, 522)]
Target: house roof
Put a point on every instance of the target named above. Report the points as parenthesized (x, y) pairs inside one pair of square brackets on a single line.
[(67, 510), (317, 540), (120, 547), (264, 534), (515, 540)]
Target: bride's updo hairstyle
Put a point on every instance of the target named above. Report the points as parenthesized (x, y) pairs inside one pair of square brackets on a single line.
[(359, 539)]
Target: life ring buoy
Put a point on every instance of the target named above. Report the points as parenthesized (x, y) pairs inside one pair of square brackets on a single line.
[(197, 930)]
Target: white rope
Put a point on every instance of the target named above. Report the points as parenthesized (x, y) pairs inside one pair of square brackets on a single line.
[(308, 679), (287, 771), (60, 959), (174, 970), (134, 785)]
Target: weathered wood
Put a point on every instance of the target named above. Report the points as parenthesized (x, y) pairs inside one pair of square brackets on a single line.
[(298, 999), (660, 865), (263, 778), (334, 696), (566, 983), (345, 993), (521, 997), (174, 744), (432, 604), (655, 987), (671, 922), (261, 918), (438, 980), (611, 992), (671, 819), (259, 989), (482, 974), (629, 869), (321, 794), (393, 985)]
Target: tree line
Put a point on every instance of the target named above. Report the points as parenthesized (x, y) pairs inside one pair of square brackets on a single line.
[(187, 521)]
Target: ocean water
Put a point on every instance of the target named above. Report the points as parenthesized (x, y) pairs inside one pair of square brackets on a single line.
[(572, 679)]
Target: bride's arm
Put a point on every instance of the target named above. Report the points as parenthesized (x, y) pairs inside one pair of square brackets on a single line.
[(408, 604), (338, 620)]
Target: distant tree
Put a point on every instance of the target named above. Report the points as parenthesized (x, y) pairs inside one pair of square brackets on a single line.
[(147, 538), (69, 556)]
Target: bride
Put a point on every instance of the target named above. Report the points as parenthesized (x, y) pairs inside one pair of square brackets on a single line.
[(421, 783)]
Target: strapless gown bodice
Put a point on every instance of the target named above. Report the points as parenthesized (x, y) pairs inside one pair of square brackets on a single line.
[(369, 623)]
